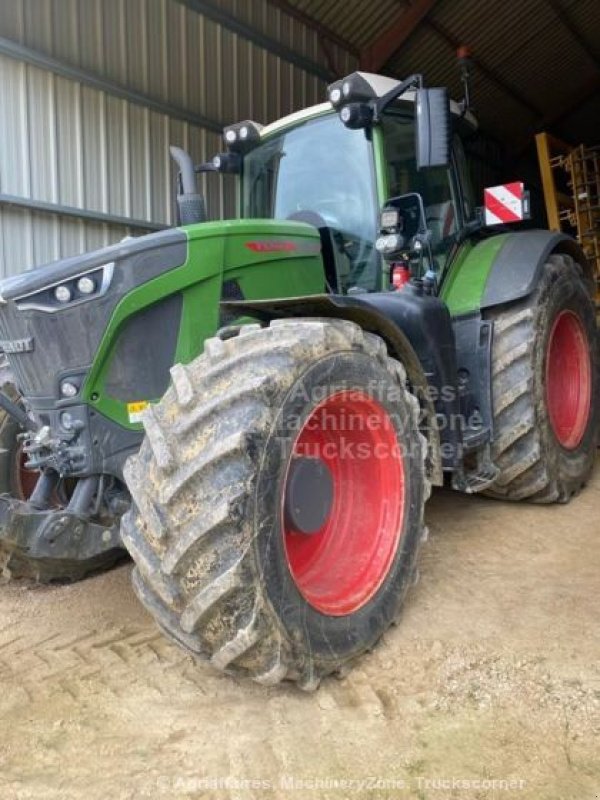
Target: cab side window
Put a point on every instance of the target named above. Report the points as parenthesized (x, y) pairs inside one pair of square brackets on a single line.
[(464, 178), (435, 185)]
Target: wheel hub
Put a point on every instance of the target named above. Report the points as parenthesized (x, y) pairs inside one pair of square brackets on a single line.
[(308, 495), (25, 479), (345, 488), (568, 380)]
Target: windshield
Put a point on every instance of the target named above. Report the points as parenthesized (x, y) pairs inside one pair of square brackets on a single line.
[(327, 169)]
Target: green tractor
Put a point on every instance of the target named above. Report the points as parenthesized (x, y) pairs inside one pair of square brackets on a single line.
[(257, 408)]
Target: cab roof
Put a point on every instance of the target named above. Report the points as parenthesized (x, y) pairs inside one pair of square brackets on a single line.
[(381, 85)]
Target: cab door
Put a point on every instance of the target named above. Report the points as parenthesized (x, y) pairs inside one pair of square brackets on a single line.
[(447, 204)]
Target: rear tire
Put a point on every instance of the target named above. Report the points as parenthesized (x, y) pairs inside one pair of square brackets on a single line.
[(208, 531), (545, 437), (14, 479)]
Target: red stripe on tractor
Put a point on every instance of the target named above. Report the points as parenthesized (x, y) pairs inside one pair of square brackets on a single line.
[(272, 246)]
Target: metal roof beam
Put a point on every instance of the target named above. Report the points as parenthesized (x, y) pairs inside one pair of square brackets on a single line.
[(586, 92), (42, 61), (258, 38), (565, 20), (78, 213), (323, 31), (325, 47), (378, 53)]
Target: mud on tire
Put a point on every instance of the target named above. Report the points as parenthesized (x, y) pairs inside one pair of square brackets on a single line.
[(533, 464), (205, 528)]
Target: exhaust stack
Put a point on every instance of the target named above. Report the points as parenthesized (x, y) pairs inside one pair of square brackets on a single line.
[(190, 204)]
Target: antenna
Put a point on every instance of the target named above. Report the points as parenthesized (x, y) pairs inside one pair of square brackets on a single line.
[(463, 55)]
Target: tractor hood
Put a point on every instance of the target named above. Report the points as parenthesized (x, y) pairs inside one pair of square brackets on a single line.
[(91, 339), (155, 252), (151, 247), (42, 335), (56, 319)]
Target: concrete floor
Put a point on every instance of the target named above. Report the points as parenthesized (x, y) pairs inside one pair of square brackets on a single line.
[(493, 675)]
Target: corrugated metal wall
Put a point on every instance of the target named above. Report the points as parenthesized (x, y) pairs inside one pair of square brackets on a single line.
[(67, 143)]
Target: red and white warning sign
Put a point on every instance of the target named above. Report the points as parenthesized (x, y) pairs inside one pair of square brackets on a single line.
[(505, 203)]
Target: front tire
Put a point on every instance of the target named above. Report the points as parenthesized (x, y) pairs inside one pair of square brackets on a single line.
[(254, 547), (545, 388)]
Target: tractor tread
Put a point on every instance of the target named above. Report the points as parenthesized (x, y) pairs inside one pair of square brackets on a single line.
[(216, 605), (241, 641), (521, 448)]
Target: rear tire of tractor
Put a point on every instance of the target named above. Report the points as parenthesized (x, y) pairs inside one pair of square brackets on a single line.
[(14, 480), (545, 388), (219, 564), (18, 482)]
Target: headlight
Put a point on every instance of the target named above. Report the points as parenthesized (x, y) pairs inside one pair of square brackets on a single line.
[(63, 294), (68, 389), (86, 285), (70, 291)]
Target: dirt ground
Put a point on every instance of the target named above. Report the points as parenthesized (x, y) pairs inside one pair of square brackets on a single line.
[(493, 676)]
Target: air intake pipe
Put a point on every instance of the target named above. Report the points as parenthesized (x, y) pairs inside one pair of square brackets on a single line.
[(190, 204)]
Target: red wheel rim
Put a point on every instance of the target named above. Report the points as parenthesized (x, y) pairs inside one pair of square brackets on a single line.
[(568, 380), (340, 567), (25, 478)]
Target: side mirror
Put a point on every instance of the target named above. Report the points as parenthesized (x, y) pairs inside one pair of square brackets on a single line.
[(432, 128)]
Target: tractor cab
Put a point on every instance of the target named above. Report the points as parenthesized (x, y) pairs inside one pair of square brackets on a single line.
[(337, 171)]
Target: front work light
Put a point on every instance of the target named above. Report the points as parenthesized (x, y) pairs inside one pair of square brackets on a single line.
[(356, 115), (390, 220), (334, 93), (390, 243), (242, 136), (227, 162), (354, 88)]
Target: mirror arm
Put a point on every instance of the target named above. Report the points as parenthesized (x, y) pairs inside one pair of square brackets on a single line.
[(383, 102), (206, 166), (424, 249), (469, 228)]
